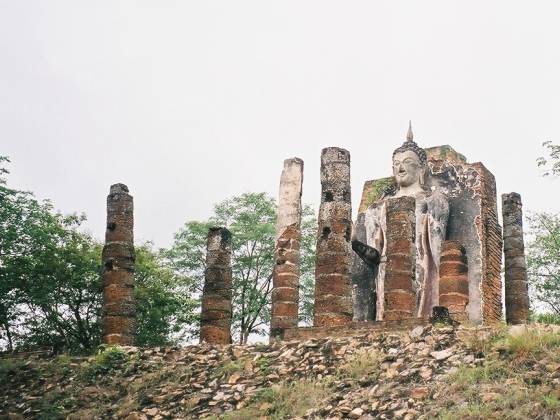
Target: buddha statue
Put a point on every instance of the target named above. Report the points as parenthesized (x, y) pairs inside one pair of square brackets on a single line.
[(431, 210)]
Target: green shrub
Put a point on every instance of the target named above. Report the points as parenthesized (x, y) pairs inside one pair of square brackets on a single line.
[(109, 359)]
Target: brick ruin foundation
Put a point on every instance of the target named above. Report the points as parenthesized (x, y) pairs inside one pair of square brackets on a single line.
[(119, 313), (285, 276), (215, 319), (516, 286), (356, 283), (333, 301), (470, 190)]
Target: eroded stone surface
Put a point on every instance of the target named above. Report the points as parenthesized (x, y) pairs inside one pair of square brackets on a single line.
[(215, 319), (516, 286), (333, 301), (285, 276), (470, 190), (119, 312), (454, 280)]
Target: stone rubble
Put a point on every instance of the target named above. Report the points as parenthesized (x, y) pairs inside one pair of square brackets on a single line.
[(206, 380)]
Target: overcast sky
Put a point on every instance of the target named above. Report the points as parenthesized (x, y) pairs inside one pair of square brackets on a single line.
[(189, 102)]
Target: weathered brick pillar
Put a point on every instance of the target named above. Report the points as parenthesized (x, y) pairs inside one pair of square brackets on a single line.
[(454, 279), (333, 285), (215, 319), (285, 276), (516, 287), (399, 301), (119, 312)]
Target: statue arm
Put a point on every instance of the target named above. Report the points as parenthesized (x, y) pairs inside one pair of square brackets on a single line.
[(367, 253)]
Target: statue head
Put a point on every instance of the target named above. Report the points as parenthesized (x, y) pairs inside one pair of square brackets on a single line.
[(409, 166)]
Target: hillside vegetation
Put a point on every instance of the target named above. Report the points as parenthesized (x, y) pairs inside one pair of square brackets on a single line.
[(427, 372)]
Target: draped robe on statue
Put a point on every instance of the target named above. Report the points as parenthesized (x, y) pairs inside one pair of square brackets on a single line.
[(432, 211)]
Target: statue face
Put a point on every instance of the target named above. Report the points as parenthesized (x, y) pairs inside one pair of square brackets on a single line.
[(407, 168)]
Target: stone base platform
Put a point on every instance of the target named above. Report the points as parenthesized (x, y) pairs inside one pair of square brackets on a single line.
[(352, 329)]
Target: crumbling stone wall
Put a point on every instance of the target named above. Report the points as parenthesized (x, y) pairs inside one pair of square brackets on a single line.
[(285, 275), (473, 221), (516, 286), (454, 280), (399, 299), (119, 314), (333, 302), (215, 319)]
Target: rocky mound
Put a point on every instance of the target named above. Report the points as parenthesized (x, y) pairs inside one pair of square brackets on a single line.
[(425, 372)]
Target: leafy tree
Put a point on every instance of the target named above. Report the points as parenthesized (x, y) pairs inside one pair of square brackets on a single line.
[(552, 162), (50, 285), (307, 265), (251, 219), (543, 259), (166, 312)]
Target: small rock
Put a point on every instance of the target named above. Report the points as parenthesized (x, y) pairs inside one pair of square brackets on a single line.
[(234, 378), (356, 413), (416, 332), (441, 355), (151, 411), (419, 393)]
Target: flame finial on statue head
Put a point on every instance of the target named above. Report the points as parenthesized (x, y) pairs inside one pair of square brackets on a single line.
[(410, 144), (409, 134)]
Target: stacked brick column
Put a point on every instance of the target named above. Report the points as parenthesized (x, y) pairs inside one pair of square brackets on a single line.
[(399, 299), (517, 297), (333, 288), (215, 322), (454, 279), (119, 314), (285, 276)]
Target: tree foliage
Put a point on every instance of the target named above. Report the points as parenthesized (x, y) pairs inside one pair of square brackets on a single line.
[(543, 259), (166, 311), (50, 285), (552, 162), (251, 219)]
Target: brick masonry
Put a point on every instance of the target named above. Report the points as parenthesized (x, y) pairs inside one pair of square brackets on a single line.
[(516, 286), (215, 319), (399, 301), (119, 312), (473, 221), (454, 280), (285, 275), (333, 300)]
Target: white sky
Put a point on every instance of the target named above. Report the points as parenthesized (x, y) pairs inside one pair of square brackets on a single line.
[(189, 102)]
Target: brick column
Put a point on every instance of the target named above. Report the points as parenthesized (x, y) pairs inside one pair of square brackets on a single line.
[(516, 287), (285, 276), (454, 279), (399, 299), (215, 319), (333, 287), (119, 312)]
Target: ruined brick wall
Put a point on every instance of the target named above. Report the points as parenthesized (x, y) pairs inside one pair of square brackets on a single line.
[(473, 221), (454, 279), (516, 286), (491, 239), (285, 275), (119, 313), (399, 301), (333, 301), (215, 319)]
